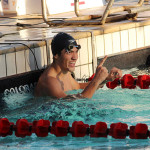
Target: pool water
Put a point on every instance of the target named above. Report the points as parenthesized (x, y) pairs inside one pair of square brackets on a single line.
[(110, 106)]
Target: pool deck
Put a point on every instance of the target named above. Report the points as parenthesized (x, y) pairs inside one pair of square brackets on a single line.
[(32, 27)]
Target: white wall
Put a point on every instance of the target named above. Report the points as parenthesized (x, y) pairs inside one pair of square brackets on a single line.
[(23, 7), (59, 6), (110, 43), (1, 9)]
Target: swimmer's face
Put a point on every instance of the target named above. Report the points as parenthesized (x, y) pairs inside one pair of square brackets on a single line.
[(68, 58)]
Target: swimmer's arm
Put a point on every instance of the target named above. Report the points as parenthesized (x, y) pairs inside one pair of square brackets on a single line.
[(102, 84), (91, 88), (54, 88), (100, 76), (84, 85)]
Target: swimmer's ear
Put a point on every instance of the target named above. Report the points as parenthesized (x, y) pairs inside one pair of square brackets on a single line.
[(56, 56)]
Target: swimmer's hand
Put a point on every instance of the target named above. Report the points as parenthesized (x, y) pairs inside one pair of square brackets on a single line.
[(114, 73), (101, 72), (101, 75), (73, 97)]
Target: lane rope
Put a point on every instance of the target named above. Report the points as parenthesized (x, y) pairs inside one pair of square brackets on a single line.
[(128, 81), (61, 128)]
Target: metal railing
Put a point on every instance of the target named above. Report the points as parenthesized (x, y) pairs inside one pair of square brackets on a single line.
[(132, 12)]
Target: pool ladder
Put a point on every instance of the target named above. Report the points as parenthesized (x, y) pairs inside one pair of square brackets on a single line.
[(100, 19)]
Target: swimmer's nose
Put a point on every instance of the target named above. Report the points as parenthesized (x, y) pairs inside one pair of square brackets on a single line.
[(75, 56)]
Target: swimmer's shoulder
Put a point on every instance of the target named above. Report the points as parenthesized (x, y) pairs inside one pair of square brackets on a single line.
[(48, 74), (47, 86)]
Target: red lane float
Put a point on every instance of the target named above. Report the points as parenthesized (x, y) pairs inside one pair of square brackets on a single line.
[(22, 128), (140, 131), (5, 127), (79, 129), (118, 130), (61, 128), (113, 84), (90, 78), (143, 81), (128, 81), (98, 130), (41, 127)]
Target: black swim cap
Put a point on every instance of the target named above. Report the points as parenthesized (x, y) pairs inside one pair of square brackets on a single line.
[(63, 41)]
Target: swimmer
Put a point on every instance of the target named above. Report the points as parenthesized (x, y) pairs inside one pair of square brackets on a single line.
[(57, 78)]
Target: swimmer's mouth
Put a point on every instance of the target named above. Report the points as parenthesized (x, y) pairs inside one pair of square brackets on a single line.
[(72, 64)]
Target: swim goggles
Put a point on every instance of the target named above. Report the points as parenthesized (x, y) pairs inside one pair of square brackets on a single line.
[(70, 47)]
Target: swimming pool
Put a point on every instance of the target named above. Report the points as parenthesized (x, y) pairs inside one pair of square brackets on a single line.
[(129, 106)]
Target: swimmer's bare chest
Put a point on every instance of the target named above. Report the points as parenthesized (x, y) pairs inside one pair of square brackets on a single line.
[(69, 85)]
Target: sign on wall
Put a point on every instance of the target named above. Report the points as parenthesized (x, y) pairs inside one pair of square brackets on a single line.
[(5, 4)]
